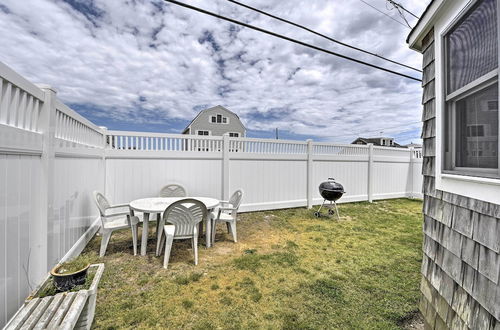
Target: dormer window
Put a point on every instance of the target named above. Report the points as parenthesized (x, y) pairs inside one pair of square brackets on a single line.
[(471, 93), (219, 119)]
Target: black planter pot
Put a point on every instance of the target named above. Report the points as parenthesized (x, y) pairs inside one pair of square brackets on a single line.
[(66, 282)]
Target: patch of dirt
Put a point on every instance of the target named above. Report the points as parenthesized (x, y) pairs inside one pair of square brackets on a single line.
[(414, 321)]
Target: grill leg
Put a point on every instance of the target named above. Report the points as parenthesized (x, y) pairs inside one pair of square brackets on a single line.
[(337, 209), (319, 210)]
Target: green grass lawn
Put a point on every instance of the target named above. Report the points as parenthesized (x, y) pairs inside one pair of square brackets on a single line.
[(289, 270)]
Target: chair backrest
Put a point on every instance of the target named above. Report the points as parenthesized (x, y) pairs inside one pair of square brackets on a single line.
[(235, 201), (185, 215), (101, 202), (236, 197), (173, 190)]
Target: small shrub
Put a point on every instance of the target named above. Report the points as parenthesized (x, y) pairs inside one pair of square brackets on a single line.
[(186, 279), (225, 300), (214, 286), (187, 304), (326, 288)]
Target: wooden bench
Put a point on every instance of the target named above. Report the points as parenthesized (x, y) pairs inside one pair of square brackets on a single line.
[(66, 310)]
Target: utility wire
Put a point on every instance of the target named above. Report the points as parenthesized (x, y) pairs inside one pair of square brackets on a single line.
[(398, 5), (400, 11), (375, 130), (380, 11), (289, 39), (322, 35)]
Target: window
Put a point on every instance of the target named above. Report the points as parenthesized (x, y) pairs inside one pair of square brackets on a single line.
[(203, 133), (234, 134), (475, 130), (492, 105), (471, 93), (219, 119)]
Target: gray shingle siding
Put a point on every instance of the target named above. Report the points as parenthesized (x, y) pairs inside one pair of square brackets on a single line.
[(461, 263), (202, 122)]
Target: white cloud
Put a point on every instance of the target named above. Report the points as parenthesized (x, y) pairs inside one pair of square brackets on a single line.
[(142, 61)]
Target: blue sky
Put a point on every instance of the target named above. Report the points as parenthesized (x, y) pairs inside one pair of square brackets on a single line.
[(150, 66)]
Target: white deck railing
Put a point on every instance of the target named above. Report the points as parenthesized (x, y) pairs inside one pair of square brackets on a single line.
[(52, 158), (122, 140), (71, 126)]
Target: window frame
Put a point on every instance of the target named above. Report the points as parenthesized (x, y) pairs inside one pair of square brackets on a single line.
[(222, 118), (203, 130), (237, 134), (449, 101)]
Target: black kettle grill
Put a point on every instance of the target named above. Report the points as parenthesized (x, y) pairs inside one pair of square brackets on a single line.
[(331, 191)]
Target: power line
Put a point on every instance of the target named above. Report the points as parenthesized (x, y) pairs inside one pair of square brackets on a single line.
[(375, 130), (322, 35), (398, 5), (289, 39), (395, 20)]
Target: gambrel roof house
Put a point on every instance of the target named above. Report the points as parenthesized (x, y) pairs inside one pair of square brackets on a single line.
[(378, 141), (216, 121), (461, 252)]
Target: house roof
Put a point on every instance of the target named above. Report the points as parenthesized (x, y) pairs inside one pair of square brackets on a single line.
[(376, 140), (424, 24), (419, 20), (199, 113)]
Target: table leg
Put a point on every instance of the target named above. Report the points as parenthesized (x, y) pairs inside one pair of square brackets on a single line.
[(145, 232), (208, 231)]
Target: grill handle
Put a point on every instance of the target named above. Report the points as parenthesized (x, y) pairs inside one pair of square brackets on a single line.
[(331, 179)]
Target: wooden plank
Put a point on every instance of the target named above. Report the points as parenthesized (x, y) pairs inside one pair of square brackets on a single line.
[(63, 308), (22, 315), (429, 110), (428, 39), (429, 92), (36, 314), (428, 56), (74, 311), (50, 311)]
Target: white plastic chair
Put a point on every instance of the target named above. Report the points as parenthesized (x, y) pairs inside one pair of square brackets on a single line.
[(183, 217), (170, 190), (173, 190), (114, 221), (227, 213)]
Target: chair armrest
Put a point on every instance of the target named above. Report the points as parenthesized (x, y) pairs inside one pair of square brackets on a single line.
[(115, 214), (228, 208), (118, 206), (224, 204)]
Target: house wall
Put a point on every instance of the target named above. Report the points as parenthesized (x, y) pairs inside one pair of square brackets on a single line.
[(202, 122), (461, 251)]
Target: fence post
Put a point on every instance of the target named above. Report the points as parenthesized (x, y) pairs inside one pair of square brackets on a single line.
[(412, 162), (40, 230), (225, 167), (309, 180), (104, 132), (370, 172)]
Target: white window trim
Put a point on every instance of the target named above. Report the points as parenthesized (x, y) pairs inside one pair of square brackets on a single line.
[(481, 188), (203, 130), (239, 134)]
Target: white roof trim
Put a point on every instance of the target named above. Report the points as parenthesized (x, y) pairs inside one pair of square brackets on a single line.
[(424, 25)]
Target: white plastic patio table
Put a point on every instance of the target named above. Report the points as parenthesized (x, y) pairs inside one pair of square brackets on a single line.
[(158, 205)]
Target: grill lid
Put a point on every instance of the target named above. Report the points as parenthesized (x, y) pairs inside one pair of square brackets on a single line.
[(331, 185)]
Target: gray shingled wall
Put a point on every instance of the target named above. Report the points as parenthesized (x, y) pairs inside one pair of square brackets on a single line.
[(461, 262)]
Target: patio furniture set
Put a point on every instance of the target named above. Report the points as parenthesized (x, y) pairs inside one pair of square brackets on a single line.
[(178, 216)]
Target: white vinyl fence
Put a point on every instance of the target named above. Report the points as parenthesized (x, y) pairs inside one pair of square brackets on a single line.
[(51, 159)]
